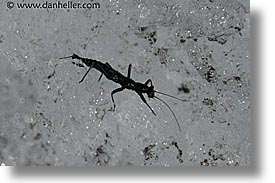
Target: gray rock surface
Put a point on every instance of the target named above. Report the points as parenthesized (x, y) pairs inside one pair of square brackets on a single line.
[(194, 50)]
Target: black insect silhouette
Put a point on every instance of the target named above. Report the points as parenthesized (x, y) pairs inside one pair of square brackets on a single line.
[(125, 82)]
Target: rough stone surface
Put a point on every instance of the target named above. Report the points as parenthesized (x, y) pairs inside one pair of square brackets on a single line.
[(194, 50)]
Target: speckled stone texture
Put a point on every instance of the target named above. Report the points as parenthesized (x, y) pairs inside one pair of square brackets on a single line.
[(194, 50)]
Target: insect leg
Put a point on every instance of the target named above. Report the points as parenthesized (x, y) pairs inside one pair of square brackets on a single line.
[(116, 91), (85, 75), (143, 99), (100, 77), (129, 71)]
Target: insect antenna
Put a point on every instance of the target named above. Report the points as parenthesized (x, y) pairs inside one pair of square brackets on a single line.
[(170, 96), (171, 111)]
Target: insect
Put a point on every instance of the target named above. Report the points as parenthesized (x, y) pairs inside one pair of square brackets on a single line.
[(125, 81)]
